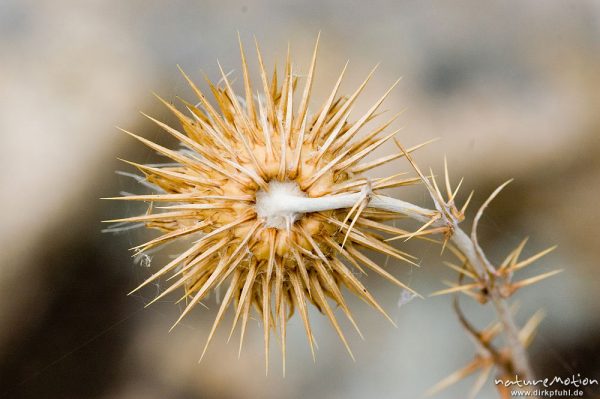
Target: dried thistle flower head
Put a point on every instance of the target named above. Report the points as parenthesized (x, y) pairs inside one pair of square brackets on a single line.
[(241, 164)]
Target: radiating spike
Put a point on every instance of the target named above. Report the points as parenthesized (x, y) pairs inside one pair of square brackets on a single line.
[(372, 135), (451, 197), (360, 155), (268, 97), (301, 267), (174, 155), (528, 261), (423, 234), (196, 113), (266, 306), (377, 183), (233, 287), (244, 297), (154, 216), (194, 207), (245, 315), (248, 128), (447, 179), (513, 256), (453, 378), (342, 111), (214, 115), (173, 176), (380, 226), (246, 123), (362, 206), (313, 244), (183, 197), (456, 288), (185, 120), (218, 273), (205, 255), (384, 183), (315, 129), (271, 260), (266, 128), (282, 323), (378, 269), (461, 270), (357, 125), (371, 241), (286, 133), (532, 280), (349, 214), (315, 177), (464, 208), (360, 290), (278, 285), (422, 228), (307, 87), (286, 87), (344, 253), (299, 298), (247, 84), (382, 247), (360, 168), (218, 138), (289, 109), (298, 151), (434, 194), (331, 285), (201, 292), (481, 380), (527, 332), (250, 173), (322, 301), (332, 137), (274, 83), (182, 159), (438, 192)]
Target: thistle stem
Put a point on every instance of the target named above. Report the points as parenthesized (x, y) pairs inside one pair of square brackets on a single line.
[(287, 204), (520, 360)]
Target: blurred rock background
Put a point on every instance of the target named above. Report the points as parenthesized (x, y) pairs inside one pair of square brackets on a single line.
[(512, 88)]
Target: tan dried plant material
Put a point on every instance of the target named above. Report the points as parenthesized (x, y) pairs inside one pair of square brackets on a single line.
[(237, 157)]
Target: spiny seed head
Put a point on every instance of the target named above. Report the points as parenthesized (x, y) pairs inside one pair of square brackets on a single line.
[(239, 160)]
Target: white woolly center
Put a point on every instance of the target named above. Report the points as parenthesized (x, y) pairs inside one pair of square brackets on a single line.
[(275, 205)]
